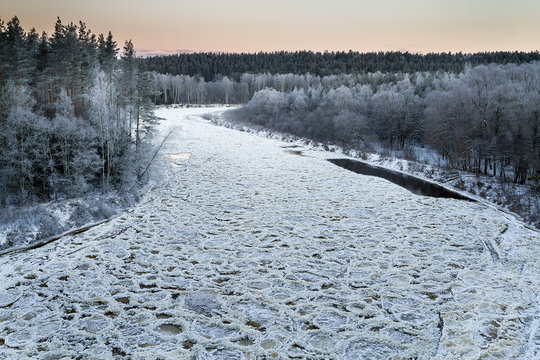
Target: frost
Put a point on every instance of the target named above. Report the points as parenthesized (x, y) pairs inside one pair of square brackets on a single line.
[(201, 302), (95, 324), (8, 297), (219, 354), (62, 215), (359, 349), (247, 251), (3, 236), (19, 338)]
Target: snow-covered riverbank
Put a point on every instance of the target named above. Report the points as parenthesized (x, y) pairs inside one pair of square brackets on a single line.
[(246, 249), (425, 163)]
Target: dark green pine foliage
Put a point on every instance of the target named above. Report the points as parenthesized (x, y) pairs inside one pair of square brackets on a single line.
[(212, 65), (127, 83), (107, 51), (68, 110), (15, 59)]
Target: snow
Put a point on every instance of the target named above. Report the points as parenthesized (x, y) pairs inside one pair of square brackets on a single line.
[(62, 215), (3, 237), (27, 225), (424, 163), (243, 250)]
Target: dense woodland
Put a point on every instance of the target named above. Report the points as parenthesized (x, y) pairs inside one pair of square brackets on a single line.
[(485, 119), (76, 115), (479, 111), (73, 116), (212, 66)]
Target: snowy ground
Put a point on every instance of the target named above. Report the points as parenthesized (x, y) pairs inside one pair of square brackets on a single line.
[(245, 249), (424, 163), (21, 227)]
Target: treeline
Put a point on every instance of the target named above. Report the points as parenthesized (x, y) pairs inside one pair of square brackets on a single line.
[(175, 89), (485, 119), (73, 117), (211, 66)]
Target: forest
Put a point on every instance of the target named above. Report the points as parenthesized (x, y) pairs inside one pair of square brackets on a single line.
[(76, 116), (212, 66), (485, 119)]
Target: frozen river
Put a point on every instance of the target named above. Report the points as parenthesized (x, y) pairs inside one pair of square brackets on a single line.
[(244, 249)]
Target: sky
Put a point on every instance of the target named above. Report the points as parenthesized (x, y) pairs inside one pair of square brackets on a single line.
[(419, 26)]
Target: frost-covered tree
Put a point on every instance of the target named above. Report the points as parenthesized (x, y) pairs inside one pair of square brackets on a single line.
[(23, 145), (485, 119), (68, 111)]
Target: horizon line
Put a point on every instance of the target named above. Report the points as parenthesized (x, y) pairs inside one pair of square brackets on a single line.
[(154, 53)]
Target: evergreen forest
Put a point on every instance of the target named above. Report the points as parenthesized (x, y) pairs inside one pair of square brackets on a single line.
[(75, 114), (212, 66)]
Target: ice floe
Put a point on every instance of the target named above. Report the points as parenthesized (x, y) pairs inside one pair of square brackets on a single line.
[(245, 250)]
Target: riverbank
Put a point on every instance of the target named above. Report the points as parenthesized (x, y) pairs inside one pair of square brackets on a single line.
[(24, 226), (246, 250), (517, 199)]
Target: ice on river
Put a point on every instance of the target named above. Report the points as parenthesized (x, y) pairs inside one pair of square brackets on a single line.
[(246, 250)]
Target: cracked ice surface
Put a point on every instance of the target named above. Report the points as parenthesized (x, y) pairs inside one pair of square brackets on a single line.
[(245, 250)]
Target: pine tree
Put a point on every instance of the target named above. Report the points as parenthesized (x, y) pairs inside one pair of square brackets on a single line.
[(64, 106), (107, 51), (15, 59), (127, 86)]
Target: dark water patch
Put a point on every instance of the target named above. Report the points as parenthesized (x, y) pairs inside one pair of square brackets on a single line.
[(294, 152), (170, 329), (412, 183)]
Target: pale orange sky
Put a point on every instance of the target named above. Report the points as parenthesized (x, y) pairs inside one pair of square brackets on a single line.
[(168, 26)]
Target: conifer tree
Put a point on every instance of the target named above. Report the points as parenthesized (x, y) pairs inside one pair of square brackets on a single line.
[(65, 103)]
